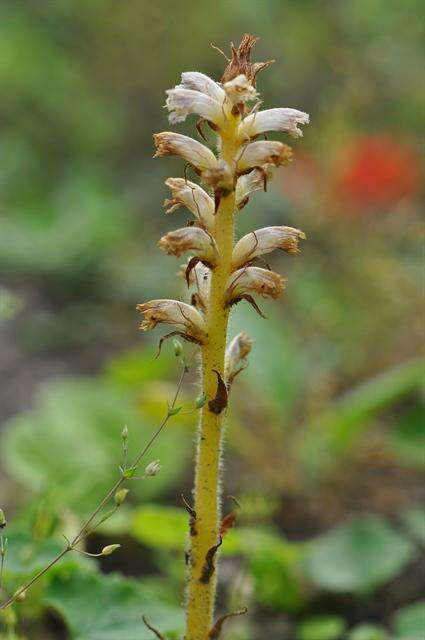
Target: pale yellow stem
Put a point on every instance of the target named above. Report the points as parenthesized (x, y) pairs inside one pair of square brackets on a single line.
[(205, 535)]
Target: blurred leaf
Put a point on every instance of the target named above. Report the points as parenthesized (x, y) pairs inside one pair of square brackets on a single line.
[(56, 241), (358, 556), (335, 431), (26, 556), (414, 519), (160, 527), (70, 445), (367, 631), (99, 607), (279, 385), (321, 628), (407, 439), (274, 564), (409, 622), (134, 367)]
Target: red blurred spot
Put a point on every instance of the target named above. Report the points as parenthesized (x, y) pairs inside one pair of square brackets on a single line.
[(378, 172)]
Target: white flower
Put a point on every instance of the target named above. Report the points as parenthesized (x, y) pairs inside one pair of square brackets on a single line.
[(236, 354), (286, 120), (255, 180), (182, 102), (191, 195), (257, 154), (169, 143), (200, 82), (263, 241), (190, 239), (240, 90), (183, 316), (249, 280)]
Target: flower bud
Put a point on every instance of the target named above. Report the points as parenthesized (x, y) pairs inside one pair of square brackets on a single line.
[(124, 433), (20, 595), (153, 468), (236, 354), (120, 496), (109, 549), (2, 519), (255, 180), (240, 90)]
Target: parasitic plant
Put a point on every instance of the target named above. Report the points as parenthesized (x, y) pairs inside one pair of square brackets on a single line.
[(220, 274)]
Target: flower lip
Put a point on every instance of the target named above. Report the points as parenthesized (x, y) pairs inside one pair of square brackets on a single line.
[(181, 102), (281, 119), (169, 143), (261, 152), (180, 314), (190, 239), (253, 280), (264, 241), (191, 195), (204, 84)]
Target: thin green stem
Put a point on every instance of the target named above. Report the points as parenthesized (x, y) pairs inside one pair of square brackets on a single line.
[(84, 531)]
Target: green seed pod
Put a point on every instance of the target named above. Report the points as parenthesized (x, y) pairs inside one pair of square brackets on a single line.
[(153, 468), (2, 519), (109, 549), (120, 496), (19, 595)]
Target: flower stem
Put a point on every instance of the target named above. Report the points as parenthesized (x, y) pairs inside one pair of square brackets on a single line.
[(205, 535)]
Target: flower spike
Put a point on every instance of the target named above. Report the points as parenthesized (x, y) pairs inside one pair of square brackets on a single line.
[(219, 273)]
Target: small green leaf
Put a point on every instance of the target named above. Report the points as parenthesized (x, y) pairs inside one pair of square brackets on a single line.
[(357, 556), (322, 628), (161, 527)]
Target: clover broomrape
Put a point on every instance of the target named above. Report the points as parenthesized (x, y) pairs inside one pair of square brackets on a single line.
[(219, 273)]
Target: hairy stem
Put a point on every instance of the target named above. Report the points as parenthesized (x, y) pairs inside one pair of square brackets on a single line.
[(205, 535)]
